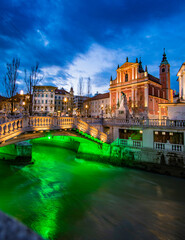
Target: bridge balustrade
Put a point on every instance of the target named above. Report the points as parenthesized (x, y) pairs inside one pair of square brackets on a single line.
[(14, 128)]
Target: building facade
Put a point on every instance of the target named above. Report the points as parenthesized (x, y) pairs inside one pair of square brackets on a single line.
[(64, 102), (78, 105), (98, 106), (143, 91), (43, 100)]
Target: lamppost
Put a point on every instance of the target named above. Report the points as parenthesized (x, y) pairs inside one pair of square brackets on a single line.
[(65, 105), (86, 107), (23, 107), (69, 109), (102, 114)]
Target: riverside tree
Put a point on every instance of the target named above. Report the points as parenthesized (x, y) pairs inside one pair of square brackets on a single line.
[(10, 81), (31, 80)]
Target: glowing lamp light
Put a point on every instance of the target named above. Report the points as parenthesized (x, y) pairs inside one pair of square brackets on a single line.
[(21, 92), (49, 137)]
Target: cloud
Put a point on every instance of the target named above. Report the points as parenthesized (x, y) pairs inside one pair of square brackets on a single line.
[(89, 38)]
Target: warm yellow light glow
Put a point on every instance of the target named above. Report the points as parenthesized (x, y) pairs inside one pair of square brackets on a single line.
[(141, 131), (86, 106), (102, 106), (65, 99), (23, 103), (21, 92)]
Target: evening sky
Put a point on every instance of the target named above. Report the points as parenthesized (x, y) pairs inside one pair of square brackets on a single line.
[(89, 38)]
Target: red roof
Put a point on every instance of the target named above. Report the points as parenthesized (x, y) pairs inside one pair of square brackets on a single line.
[(154, 79), (99, 96)]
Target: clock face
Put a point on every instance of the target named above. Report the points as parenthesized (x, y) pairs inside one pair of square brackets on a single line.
[(163, 69)]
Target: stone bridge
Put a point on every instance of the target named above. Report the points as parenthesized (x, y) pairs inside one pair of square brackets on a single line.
[(12, 130)]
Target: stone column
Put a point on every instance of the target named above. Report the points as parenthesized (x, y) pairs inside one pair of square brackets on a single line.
[(146, 95), (132, 97), (180, 86), (132, 73), (136, 72), (183, 84), (120, 77), (136, 97)]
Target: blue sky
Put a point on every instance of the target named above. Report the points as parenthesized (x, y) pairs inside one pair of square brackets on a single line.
[(80, 38)]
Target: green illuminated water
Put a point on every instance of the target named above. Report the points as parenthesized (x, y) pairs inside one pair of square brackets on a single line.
[(61, 197)]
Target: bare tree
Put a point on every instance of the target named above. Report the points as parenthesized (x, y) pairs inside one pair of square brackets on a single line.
[(31, 81), (80, 86), (88, 86), (10, 80)]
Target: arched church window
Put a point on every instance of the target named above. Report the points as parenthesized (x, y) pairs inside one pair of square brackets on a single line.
[(126, 77), (163, 69)]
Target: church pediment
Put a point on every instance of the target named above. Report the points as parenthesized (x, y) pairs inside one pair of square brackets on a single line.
[(127, 65)]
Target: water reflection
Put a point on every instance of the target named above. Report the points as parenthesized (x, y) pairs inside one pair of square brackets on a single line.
[(61, 197)]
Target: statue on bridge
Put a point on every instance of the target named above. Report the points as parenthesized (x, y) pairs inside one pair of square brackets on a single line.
[(122, 111)]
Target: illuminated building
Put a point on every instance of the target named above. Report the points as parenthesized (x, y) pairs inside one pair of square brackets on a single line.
[(143, 91), (98, 105), (43, 100), (64, 101)]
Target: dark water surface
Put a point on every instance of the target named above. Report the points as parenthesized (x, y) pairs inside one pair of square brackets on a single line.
[(60, 197)]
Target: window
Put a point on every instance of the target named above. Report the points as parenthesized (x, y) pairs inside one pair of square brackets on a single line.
[(152, 90), (42, 95), (42, 101), (46, 95), (163, 69), (38, 101), (51, 95), (39, 95), (126, 77), (46, 108), (59, 97), (51, 101), (46, 101), (55, 97)]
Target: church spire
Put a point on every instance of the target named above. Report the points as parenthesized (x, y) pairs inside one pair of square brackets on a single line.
[(164, 59)]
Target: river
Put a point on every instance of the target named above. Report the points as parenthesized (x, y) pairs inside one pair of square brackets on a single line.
[(61, 197)]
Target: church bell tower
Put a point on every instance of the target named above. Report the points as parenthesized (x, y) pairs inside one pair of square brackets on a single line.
[(164, 73)]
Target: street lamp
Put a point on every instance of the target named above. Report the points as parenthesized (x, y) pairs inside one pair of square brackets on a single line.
[(86, 107), (102, 114), (65, 105), (23, 107)]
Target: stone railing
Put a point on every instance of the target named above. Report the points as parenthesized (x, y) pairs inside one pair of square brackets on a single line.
[(14, 128), (169, 147), (85, 127), (128, 143), (138, 122)]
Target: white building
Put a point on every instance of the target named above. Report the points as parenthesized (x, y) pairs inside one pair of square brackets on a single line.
[(43, 100), (98, 106)]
